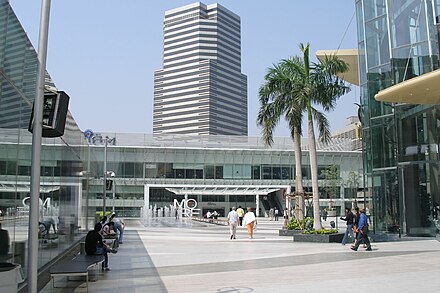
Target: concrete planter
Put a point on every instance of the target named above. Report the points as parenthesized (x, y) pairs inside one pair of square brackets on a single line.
[(319, 238), (284, 232)]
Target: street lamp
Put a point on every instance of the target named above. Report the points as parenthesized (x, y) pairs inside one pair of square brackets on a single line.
[(108, 185), (114, 192), (87, 174), (32, 266)]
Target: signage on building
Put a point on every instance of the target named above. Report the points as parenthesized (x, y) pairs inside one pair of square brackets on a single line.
[(97, 138)]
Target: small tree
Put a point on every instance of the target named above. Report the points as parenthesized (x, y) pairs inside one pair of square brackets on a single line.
[(353, 183), (332, 181)]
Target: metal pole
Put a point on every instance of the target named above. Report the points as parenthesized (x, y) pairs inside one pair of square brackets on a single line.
[(32, 266), (105, 176), (87, 189), (114, 190)]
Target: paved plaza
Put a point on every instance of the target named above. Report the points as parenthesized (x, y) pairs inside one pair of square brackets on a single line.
[(168, 255)]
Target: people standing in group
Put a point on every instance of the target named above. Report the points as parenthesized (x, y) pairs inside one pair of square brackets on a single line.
[(349, 218), (240, 213), (286, 218), (276, 213), (233, 222), (250, 221), (95, 245), (363, 232)]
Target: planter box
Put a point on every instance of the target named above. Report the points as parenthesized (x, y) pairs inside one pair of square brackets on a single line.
[(285, 232), (318, 238)]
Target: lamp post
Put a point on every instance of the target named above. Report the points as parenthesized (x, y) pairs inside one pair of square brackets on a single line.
[(114, 191), (87, 174), (32, 266), (105, 176)]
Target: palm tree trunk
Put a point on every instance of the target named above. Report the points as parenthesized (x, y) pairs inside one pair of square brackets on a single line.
[(314, 170), (299, 190)]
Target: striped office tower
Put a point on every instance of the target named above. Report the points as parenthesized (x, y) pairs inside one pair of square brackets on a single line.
[(201, 90)]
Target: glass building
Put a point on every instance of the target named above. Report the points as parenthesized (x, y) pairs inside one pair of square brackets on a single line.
[(61, 159), (399, 47)]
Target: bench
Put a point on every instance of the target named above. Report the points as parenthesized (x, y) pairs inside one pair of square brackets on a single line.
[(78, 266)]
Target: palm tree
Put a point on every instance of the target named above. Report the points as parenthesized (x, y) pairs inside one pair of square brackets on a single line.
[(295, 87), (275, 103)]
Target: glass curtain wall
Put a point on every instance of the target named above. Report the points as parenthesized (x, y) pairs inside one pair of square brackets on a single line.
[(398, 40), (60, 188)]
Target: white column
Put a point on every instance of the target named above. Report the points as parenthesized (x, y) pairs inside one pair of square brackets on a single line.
[(288, 191), (146, 199), (257, 201)]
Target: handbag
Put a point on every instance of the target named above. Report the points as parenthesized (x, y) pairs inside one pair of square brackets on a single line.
[(355, 229)]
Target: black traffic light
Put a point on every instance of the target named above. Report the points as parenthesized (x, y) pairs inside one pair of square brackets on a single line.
[(55, 109), (108, 184)]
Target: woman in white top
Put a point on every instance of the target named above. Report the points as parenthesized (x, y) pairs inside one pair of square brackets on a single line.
[(250, 220)]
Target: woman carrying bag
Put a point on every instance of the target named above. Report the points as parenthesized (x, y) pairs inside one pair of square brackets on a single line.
[(250, 221)]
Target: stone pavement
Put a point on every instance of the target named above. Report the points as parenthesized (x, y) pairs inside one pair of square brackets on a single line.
[(166, 255)]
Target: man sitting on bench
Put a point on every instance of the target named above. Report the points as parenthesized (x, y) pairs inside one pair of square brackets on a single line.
[(4, 244), (95, 245)]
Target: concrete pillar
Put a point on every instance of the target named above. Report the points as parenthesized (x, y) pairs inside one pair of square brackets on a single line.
[(257, 201)]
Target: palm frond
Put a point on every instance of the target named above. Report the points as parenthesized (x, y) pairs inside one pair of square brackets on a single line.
[(323, 126)]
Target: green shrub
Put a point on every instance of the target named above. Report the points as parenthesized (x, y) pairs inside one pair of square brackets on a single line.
[(296, 224), (321, 231)]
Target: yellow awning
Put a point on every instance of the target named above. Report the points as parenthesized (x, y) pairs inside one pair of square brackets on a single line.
[(423, 89), (348, 55)]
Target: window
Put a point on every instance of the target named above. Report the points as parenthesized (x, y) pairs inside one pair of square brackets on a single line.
[(209, 172)]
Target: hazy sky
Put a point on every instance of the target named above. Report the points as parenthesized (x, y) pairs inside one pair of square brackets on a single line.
[(103, 53)]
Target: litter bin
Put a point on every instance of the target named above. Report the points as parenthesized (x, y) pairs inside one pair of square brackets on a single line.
[(10, 276)]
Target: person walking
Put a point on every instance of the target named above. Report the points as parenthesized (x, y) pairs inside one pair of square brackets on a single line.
[(250, 221), (286, 218), (271, 211), (357, 216), (276, 213), (233, 222), (363, 232), (240, 213), (349, 218)]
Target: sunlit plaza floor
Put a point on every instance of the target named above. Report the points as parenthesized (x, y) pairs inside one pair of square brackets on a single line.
[(166, 255)]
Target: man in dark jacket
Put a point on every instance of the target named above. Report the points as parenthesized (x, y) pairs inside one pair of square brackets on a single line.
[(349, 218), (363, 232), (4, 244), (95, 245)]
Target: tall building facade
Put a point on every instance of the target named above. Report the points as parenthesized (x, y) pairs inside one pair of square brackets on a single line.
[(399, 46), (201, 90)]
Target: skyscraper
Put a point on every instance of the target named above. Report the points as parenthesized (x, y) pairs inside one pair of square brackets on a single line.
[(201, 89)]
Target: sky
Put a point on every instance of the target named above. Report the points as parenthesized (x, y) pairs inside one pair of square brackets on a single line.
[(103, 53)]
